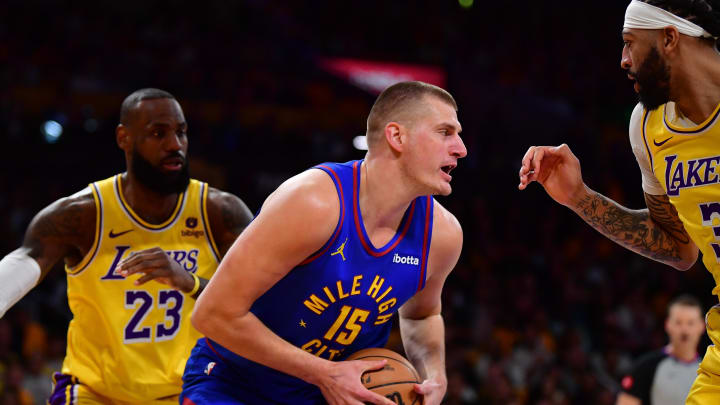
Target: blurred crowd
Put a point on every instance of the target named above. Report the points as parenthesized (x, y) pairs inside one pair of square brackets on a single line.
[(540, 309)]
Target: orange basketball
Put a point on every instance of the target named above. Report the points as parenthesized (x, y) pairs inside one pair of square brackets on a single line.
[(394, 381)]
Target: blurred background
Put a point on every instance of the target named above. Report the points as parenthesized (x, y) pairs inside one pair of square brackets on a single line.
[(541, 309)]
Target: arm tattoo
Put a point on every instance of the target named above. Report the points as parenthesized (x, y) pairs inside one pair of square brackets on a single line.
[(67, 224), (666, 216), (655, 232)]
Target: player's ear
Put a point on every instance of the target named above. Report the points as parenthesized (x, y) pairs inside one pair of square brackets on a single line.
[(122, 137), (393, 136), (670, 38)]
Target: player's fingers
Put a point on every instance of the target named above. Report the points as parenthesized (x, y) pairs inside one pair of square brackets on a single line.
[(526, 177), (134, 257), (528, 157), (373, 365), (142, 266), (524, 181), (377, 399), (537, 160), (562, 148), (128, 259), (530, 166), (144, 279)]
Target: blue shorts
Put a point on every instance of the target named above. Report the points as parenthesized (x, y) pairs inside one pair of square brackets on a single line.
[(212, 379)]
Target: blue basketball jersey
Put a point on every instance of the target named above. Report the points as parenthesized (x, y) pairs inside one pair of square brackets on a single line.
[(339, 300)]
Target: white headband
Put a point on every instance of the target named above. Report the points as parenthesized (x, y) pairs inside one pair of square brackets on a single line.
[(645, 16)]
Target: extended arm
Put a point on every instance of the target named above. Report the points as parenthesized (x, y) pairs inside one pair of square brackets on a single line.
[(421, 324), (655, 232), (64, 229)]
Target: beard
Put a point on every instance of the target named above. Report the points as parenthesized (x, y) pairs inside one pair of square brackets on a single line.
[(653, 79), (157, 180)]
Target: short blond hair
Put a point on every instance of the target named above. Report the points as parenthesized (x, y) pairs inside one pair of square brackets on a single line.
[(397, 100)]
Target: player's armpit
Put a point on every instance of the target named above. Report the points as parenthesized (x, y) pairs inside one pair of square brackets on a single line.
[(64, 229), (228, 216)]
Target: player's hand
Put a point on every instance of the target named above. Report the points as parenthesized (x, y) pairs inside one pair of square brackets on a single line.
[(432, 391), (342, 385), (557, 169), (155, 264)]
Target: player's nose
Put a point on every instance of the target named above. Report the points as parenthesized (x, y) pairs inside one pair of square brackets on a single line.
[(458, 150), (173, 143), (625, 60)]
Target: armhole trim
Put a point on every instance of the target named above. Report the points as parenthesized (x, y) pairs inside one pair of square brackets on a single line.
[(90, 256), (427, 237), (206, 222), (646, 115), (338, 185)]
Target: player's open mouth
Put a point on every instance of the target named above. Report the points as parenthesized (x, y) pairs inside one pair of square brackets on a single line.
[(636, 86), (173, 163), (447, 169)]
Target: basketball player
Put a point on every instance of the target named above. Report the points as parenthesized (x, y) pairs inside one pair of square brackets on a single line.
[(670, 53), (332, 255), (130, 338), (664, 376)]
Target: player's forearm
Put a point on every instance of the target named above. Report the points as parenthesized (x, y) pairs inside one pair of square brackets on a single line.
[(19, 273), (424, 342), (635, 230), (247, 336)]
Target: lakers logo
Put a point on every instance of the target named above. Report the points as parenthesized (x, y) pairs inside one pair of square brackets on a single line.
[(340, 250)]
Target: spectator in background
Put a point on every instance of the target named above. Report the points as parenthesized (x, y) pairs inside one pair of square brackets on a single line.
[(664, 376)]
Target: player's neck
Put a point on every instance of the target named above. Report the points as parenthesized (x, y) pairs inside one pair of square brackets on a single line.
[(684, 353), (150, 205), (696, 87), (383, 198)]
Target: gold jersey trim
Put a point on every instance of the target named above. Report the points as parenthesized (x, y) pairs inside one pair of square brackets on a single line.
[(136, 218), (206, 221), (90, 256), (691, 130)]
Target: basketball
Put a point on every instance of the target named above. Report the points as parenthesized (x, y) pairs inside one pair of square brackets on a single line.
[(394, 381)]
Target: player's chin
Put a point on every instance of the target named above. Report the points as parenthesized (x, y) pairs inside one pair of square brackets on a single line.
[(443, 189)]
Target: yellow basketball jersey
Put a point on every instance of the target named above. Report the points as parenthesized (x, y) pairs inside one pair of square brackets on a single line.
[(128, 342), (686, 162)]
